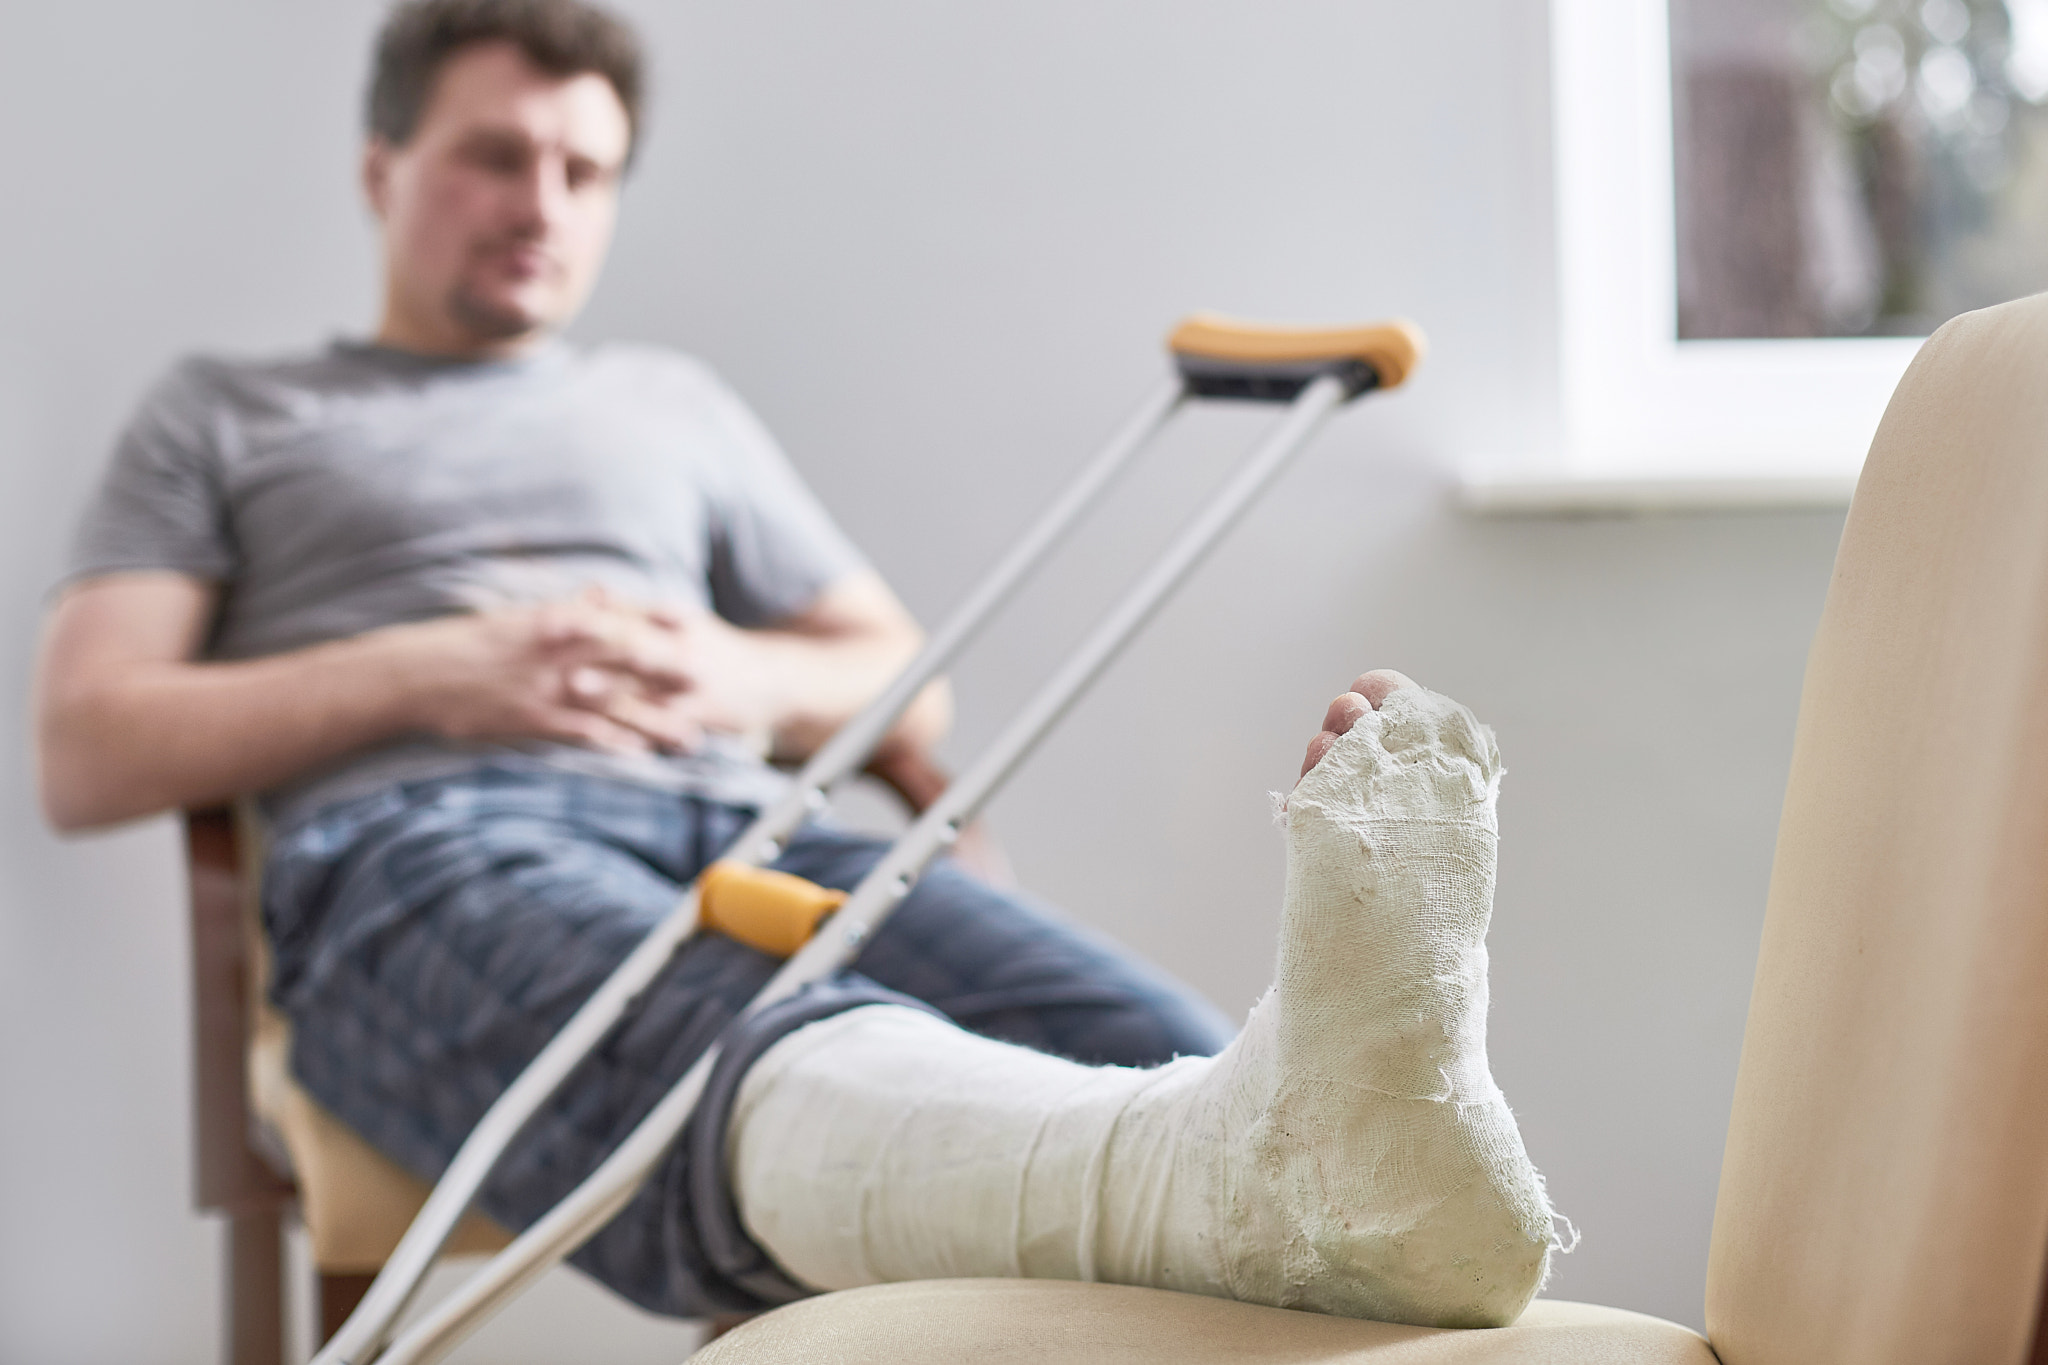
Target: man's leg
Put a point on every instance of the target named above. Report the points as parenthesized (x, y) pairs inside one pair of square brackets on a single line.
[(997, 965), (1348, 1152), (432, 938)]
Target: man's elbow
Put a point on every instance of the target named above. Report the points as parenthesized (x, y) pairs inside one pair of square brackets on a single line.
[(75, 792), (918, 730), (929, 719), (66, 808), (70, 805)]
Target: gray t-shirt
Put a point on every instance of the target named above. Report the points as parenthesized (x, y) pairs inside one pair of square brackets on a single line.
[(361, 487)]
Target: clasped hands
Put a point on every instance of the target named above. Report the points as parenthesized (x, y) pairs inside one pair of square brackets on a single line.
[(591, 670)]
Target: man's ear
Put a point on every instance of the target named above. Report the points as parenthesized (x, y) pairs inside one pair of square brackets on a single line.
[(377, 173)]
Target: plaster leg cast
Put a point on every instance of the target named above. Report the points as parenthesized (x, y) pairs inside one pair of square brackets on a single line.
[(1348, 1153)]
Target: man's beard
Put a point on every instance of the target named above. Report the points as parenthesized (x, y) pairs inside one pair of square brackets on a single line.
[(489, 321)]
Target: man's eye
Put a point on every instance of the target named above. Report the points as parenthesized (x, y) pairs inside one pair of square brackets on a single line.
[(497, 160), (583, 174)]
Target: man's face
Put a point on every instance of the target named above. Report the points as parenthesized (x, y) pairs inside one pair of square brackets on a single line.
[(497, 213)]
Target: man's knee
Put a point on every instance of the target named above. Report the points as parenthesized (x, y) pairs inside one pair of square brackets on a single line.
[(1111, 1024), (999, 965)]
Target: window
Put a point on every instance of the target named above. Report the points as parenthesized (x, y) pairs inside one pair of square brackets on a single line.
[(1856, 167), (1763, 205)]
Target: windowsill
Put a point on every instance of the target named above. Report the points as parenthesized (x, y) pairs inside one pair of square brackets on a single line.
[(1589, 494), (1650, 424)]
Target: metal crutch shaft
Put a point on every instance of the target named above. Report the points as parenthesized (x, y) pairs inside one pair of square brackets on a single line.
[(840, 757), (612, 1185), (853, 743), (841, 938)]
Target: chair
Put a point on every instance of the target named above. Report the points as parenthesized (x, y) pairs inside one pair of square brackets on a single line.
[(262, 1144), (264, 1148), (1884, 1194)]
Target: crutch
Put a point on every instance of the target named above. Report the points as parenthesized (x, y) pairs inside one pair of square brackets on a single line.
[(1315, 370)]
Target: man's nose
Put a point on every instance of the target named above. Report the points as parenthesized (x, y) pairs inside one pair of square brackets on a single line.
[(543, 194)]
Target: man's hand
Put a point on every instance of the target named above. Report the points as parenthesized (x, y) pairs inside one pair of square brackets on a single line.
[(787, 687), (669, 673), (130, 722), (694, 671), (587, 671), (591, 670)]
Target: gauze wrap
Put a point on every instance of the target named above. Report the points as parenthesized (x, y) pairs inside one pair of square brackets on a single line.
[(1348, 1153)]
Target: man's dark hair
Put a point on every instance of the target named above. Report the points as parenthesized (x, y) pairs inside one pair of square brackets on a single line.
[(561, 37)]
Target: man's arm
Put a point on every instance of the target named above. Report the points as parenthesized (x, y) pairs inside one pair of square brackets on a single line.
[(129, 724), (805, 677)]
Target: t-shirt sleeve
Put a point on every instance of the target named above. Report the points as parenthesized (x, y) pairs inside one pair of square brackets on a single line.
[(774, 548), (160, 504)]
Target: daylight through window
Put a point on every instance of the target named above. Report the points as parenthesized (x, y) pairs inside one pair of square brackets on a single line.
[(1857, 167)]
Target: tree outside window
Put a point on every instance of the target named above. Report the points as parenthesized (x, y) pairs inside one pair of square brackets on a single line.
[(1856, 167)]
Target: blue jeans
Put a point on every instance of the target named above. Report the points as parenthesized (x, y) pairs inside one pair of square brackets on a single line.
[(430, 937)]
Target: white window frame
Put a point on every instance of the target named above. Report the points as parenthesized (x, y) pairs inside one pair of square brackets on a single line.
[(1647, 419)]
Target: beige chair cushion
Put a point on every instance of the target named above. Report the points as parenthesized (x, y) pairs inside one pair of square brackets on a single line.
[(355, 1201), (1884, 1197), (997, 1322)]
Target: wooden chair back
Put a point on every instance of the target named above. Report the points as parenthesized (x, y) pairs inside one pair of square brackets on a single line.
[(229, 1176)]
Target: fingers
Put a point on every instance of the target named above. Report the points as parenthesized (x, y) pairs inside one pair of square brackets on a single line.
[(584, 634), (670, 618), (587, 686), (663, 674), (624, 727), (663, 726), (619, 699), (589, 730)]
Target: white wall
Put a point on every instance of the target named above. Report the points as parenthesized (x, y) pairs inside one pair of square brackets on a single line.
[(937, 245)]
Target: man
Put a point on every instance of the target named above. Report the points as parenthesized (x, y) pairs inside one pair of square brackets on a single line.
[(501, 631)]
